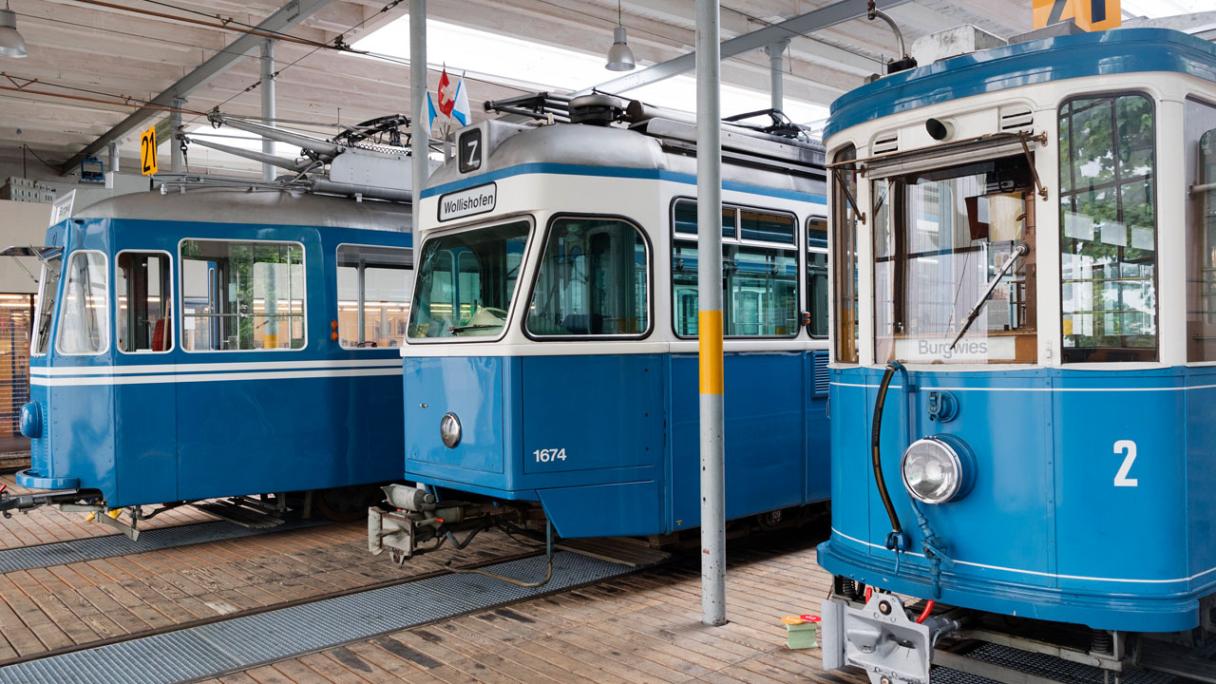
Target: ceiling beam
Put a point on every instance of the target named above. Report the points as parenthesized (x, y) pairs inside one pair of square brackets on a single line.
[(285, 18), (802, 24)]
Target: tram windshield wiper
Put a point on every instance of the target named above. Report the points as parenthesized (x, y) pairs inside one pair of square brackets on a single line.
[(1020, 249)]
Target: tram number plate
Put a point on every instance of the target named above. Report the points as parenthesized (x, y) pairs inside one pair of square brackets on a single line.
[(549, 455)]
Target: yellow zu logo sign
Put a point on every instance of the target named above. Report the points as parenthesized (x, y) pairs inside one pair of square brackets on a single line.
[(147, 152), (1089, 15)]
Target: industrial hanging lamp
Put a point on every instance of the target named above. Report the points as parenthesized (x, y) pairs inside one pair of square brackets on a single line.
[(11, 42), (620, 56)]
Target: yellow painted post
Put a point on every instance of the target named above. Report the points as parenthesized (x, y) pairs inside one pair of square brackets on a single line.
[(709, 317)]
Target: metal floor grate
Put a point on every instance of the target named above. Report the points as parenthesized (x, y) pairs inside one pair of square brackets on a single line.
[(1040, 665), (243, 642), (108, 546)]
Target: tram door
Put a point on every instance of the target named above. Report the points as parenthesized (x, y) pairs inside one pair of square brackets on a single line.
[(146, 433)]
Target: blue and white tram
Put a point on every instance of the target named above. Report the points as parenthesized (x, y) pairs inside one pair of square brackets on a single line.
[(217, 343), (551, 353), (1023, 391)]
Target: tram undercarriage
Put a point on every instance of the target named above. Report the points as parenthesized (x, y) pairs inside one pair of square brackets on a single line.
[(901, 641)]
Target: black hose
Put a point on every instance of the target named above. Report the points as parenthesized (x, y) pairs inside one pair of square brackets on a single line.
[(875, 453)]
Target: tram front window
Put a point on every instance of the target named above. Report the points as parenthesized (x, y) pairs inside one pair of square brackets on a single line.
[(48, 294), (955, 265), (466, 280)]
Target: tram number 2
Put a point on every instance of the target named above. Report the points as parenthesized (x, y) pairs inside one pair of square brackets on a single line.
[(549, 455), (1127, 448)]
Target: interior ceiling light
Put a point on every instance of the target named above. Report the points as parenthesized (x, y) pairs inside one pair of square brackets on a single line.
[(11, 42), (620, 56)]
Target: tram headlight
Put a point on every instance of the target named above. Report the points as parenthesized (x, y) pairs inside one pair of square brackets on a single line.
[(936, 470), (450, 430)]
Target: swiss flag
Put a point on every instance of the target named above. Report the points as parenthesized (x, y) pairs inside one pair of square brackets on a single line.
[(446, 99)]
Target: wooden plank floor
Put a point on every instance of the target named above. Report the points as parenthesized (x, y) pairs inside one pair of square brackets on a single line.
[(47, 609), (639, 628), (48, 524)]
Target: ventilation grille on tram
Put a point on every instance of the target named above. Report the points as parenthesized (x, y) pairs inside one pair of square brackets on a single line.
[(1016, 118), (888, 142), (819, 360)]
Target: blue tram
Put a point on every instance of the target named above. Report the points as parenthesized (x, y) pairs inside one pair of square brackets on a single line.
[(1022, 384), (550, 359), (217, 343)]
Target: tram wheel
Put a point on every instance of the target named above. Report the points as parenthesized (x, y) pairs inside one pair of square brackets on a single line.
[(346, 504)]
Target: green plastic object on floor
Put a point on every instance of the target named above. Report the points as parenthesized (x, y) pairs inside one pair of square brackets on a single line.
[(801, 631)]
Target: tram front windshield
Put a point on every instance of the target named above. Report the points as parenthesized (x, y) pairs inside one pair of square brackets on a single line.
[(466, 280), (954, 264)]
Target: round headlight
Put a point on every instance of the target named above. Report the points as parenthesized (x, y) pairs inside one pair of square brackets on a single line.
[(449, 430), (934, 471)]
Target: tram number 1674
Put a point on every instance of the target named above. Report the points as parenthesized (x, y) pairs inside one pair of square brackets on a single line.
[(549, 455)]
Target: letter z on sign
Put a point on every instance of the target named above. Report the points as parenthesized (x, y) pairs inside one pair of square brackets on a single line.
[(462, 203)]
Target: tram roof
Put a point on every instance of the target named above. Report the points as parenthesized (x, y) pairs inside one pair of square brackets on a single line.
[(1022, 64), (656, 148), (232, 205)]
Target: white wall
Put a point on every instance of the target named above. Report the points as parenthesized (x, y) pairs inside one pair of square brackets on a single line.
[(21, 223)]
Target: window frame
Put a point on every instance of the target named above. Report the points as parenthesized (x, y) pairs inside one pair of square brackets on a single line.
[(524, 269), (1205, 100), (172, 300), (1115, 185), (337, 299), (53, 328), (827, 269), (181, 265), (688, 238), (58, 322), (841, 217), (535, 277)]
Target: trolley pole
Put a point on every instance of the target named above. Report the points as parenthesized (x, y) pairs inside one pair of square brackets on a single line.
[(776, 62), (177, 160), (269, 105), (420, 150), (709, 318)]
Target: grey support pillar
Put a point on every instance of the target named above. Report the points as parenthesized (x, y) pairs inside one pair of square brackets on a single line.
[(269, 104), (776, 60), (709, 316), (177, 161), (420, 149)]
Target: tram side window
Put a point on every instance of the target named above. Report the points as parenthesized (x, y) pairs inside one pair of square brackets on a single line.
[(844, 260), (759, 284), (1108, 228), (817, 275), (48, 294), (593, 280), (466, 281), (240, 296), (373, 295), (1199, 152), (84, 321), (141, 285)]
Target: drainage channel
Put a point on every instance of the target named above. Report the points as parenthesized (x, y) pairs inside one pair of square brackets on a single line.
[(243, 642), (109, 546)]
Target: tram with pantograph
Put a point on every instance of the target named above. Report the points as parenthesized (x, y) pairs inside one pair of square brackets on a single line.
[(1023, 388), (550, 361)]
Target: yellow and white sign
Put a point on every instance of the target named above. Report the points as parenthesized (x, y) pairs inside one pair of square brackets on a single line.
[(147, 152), (1089, 15)]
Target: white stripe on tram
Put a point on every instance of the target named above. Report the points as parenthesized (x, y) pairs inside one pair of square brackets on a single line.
[(44, 371), (169, 378)]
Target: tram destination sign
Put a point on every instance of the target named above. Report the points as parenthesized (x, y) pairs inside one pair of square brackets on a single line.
[(470, 202), (968, 349)]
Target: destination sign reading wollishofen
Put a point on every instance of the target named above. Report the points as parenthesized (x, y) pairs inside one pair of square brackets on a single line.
[(471, 202)]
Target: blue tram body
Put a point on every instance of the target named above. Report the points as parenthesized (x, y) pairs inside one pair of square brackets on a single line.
[(1050, 405), (214, 344), (573, 377)]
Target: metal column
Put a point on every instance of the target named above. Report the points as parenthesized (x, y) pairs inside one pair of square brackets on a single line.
[(418, 133), (269, 104), (776, 60), (709, 317), (177, 160)]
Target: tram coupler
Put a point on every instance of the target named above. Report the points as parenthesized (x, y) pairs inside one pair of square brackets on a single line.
[(415, 518), (881, 638)]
